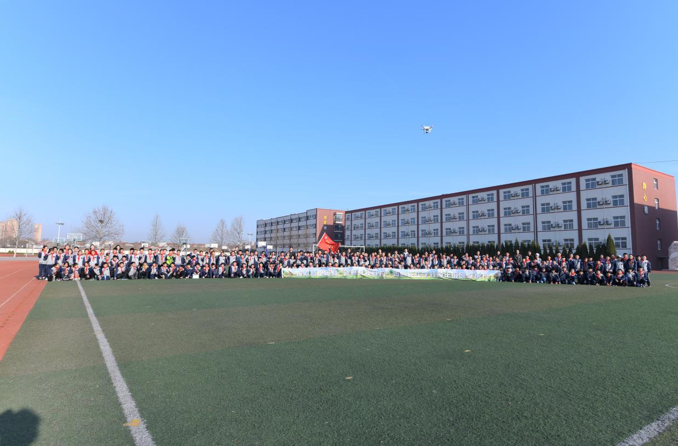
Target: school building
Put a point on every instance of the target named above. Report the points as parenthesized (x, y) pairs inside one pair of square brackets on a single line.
[(634, 204), (301, 231)]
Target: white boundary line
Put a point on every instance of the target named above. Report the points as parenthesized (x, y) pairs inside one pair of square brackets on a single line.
[(13, 273), (671, 286), (12, 296), (136, 424), (652, 430)]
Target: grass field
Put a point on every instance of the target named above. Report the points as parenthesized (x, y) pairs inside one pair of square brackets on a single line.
[(345, 362)]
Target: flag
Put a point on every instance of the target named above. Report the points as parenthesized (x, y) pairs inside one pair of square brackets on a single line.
[(327, 244)]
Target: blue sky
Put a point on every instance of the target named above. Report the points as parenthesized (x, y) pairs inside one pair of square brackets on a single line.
[(204, 110)]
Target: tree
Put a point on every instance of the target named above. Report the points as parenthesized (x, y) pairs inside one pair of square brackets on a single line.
[(179, 233), (157, 232), (101, 224), (220, 233), (19, 227), (236, 232), (611, 249)]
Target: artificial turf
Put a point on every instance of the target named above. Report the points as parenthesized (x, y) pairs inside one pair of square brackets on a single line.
[(336, 362)]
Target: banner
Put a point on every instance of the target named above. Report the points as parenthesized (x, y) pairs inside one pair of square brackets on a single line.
[(390, 273)]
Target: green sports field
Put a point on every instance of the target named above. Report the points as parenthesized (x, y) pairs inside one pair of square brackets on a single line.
[(345, 362)]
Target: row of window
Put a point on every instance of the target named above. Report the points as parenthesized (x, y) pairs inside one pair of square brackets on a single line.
[(593, 182)]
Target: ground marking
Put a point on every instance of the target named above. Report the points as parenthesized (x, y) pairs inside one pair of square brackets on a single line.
[(136, 424), (652, 430), (13, 273), (670, 286), (10, 297)]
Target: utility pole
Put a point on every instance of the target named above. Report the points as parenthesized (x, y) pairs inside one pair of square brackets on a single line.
[(59, 225)]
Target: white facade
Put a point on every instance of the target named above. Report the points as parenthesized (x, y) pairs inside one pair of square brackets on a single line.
[(564, 210)]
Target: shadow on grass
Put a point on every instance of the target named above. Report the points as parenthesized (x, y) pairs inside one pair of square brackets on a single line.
[(18, 428)]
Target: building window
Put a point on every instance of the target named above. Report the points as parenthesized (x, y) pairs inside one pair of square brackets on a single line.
[(475, 215), (507, 227), (546, 225), (403, 234), (435, 218), (568, 243), (436, 233), (474, 199), (544, 189), (617, 179), (423, 220), (506, 194), (525, 210), (658, 223), (507, 212), (620, 243), (617, 200), (448, 231), (545, 208), (646, 210), (525, 192), (475, 229), (590, 183), (448, 244), (619, 221), (462, 216), (490, 197), (490, 213), (566, 186), (462, 230), (594, 241), (656, 184), (591, 203), (448, 203), (656, 203), (547, 242), (490, 229), (592, 223), (461, 201), (526, 226), (435, 205), (568, 224), (659, 244), (567, 205)]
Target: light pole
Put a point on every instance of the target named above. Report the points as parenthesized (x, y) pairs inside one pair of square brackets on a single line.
[(249, 239), (59, 225)]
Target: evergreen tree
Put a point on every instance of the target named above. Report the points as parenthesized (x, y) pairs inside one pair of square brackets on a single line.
[(611, 249)]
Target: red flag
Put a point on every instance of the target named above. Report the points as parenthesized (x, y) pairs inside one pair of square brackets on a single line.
[(327, 244)]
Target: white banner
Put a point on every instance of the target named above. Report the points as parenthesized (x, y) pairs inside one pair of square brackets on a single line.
[(390, 273)]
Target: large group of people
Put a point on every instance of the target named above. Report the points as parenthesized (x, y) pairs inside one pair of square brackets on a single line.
[(73, 263)]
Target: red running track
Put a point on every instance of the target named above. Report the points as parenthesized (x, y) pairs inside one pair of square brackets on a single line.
[(19, 290)]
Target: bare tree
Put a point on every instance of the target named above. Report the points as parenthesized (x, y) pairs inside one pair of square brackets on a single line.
[(179, 233), (19, 227), (101, 224), (157, 232), (236, 232), (220, 234)]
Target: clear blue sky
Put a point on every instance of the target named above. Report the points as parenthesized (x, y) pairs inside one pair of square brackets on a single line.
[(204, 110)]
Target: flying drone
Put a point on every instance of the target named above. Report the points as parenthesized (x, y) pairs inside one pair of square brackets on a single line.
[(427, 128)]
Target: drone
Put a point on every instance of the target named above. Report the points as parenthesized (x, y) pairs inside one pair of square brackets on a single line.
[(427, 128)]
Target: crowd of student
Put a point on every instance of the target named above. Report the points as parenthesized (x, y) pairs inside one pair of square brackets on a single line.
[(160, 263)]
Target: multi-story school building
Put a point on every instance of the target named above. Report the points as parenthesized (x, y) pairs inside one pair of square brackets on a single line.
[(300, 231), (634, 204)]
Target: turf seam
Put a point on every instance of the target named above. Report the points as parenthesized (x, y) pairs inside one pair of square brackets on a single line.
[(650, 431), (137, 426)]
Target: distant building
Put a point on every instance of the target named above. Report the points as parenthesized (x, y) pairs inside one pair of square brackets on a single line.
[(9, 228), (301, 231), (37, 232)]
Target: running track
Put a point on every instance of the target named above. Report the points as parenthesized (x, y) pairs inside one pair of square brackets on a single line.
[(19, 290)]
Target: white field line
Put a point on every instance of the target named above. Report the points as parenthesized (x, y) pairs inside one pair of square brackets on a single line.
[(136, 424), (671, 286), (10, 297), (652, 430), (12, 273)]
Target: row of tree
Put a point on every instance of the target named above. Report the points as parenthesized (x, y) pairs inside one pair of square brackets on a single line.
[(102, 224), (583, 250)]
